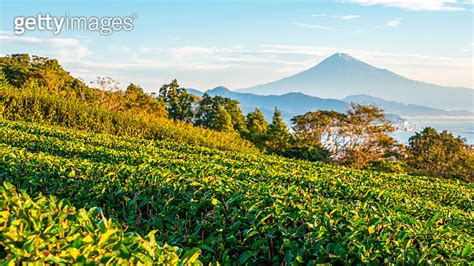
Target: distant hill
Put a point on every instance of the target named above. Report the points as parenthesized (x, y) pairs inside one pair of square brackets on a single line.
[(195, 92), (404, 109), (342, 75), (290, 104)]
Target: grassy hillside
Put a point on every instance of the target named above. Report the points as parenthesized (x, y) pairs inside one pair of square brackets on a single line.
[(243, 207), (40, 105)]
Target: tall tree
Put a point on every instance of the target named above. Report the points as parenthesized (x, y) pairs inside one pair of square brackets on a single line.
[(179, 101), (318, 128), (278, 136), (223, 121), (257, 128), (357, 138), (256, 123), (206, 112), (210, 107), (367, 136)]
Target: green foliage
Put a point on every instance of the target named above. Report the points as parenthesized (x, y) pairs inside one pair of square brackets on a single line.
[(3, 79), (277, 138), (179, 101), (40, 106), (256, 123), (223, 121), (312, 127), (303, 151), (47, 231), (389, 166), (20, 70), (257, 128), (245, 208), (219, 113), (440, 154), (357, 138)]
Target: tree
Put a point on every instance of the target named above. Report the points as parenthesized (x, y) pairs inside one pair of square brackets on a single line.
[(256, 123), (316, 128), (206, 112), (257, 128), (134, 92), (223, 121), (366, 135), (357, 138), (236, 114), (440, 154), (21, 69), (209, 108), (179, 102), (278, 138)]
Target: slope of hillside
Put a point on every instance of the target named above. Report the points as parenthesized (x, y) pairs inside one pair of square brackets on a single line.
[(42, 106), (341, 75), (245, 208)]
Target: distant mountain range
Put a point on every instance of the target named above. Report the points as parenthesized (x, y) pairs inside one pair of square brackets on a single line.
[(404, 109), (341, 75), (292, 104)]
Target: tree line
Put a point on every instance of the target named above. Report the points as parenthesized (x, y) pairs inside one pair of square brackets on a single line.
[(358, 138)]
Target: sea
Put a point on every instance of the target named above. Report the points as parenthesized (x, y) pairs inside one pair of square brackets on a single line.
[(458, 126)]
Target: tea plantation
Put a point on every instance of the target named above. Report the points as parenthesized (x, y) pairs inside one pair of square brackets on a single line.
[(226, 207)]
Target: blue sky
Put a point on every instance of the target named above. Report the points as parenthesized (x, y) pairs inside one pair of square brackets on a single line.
[(243, 43)]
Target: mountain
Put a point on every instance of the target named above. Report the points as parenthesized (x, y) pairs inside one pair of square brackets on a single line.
[(296, 103), (404, 109), (195, 92), (290, 104), (342, 75)]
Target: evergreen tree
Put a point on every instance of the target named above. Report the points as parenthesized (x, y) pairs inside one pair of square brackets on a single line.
[(205, 113), (237, 117), (278, 137), (179, 101), (223, 121), (210, 107), (256, 123)]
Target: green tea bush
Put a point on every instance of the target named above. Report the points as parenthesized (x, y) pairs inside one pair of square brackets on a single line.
[(38, 105), (242, 207), (45, 230)]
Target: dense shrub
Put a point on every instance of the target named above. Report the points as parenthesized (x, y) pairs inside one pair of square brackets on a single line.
[(38, 105), (245, 208), (440, 154), (45, 230)]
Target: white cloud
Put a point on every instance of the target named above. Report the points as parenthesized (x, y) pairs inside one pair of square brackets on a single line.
[(393, 23), (318, 15), (234, 66), (61, 48), (35, 40), (313, 26), (430, 5), (347, 17)]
